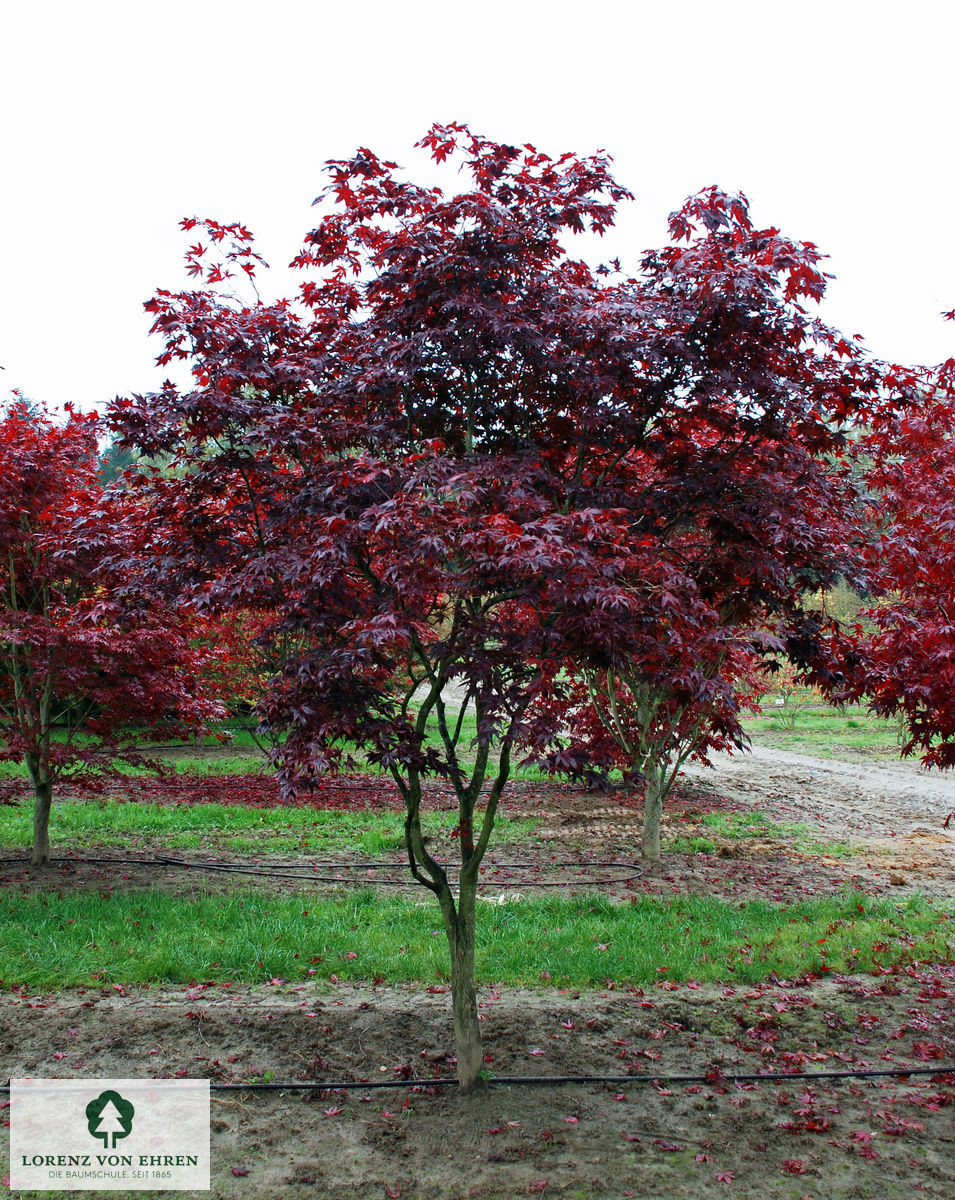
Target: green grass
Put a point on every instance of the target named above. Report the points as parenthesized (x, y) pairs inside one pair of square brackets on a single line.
[(234, 828), (805, 725), (732, 826), (13, 770), (179, 760), (182, 764), (248, 757), (82, 939)]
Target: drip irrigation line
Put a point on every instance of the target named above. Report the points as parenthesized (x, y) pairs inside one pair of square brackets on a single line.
[(305, 873), (549, 1080), (342, 1085)]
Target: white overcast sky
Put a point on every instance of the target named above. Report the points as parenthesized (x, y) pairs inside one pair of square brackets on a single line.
[(119, 118)]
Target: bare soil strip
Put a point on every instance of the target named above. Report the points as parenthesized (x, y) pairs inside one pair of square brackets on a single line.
[(877, 1138)]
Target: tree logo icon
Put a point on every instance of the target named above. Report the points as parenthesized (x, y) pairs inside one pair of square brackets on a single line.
[(109, 1115)]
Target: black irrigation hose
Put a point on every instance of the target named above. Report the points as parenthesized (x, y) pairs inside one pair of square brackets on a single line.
[(550, 1080), (302, 873)]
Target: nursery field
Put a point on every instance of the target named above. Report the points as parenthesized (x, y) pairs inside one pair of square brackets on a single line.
[(800, 924)]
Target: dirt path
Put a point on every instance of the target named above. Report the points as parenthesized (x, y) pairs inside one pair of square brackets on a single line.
[(872, 799)]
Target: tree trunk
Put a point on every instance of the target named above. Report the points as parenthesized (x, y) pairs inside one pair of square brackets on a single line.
[(652, 813), (43, 792), (460, 927)]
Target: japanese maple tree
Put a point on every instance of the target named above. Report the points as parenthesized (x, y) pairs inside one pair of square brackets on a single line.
[(908, 651), (87, 662), (682, 696), (243, 654), (461, 454), (739, 502)]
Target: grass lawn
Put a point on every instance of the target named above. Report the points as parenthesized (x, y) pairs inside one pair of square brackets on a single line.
[(234, 828), (804, 725), (143, 936), (49, 940)]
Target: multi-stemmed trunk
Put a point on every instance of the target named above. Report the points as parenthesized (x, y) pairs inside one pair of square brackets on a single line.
[(460, 919), (458, 902), (653, 736), (458, 905)]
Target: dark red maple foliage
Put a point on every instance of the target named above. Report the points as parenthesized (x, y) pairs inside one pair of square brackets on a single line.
[(243, 656), (738, 504), (680, 696), (909, 459), (457, 458), (87, 663)]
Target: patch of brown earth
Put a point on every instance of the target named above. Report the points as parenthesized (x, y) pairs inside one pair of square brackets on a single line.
[(826, 1139)]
